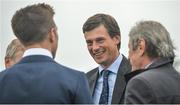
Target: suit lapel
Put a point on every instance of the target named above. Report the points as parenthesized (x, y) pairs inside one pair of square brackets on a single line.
[(92, 80), (120, 83)]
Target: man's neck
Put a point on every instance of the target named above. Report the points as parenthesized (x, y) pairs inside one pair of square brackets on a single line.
[(147, 62), (105, 66)]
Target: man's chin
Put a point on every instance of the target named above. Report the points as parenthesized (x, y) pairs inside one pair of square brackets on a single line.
[(99, 59), (99, 62)]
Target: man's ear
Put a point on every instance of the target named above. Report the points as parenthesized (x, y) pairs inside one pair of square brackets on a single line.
[(52, 35), (7, 62), (141, 47), (117, 39)]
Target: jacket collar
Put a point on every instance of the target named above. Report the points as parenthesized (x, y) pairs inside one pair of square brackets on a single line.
[(36, 58), (158, 63)]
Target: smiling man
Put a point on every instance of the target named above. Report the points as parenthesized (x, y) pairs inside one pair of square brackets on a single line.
[(103, 39)]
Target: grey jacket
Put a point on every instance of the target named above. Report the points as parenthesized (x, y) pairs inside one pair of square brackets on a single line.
[(158, 84)]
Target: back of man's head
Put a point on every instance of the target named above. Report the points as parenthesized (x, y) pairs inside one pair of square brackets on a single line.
[(32, 23), (157, 39)]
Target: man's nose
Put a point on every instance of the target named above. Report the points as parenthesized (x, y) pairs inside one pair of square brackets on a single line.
[(95, 46)]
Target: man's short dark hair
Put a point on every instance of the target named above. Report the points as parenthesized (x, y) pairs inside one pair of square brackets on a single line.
[(32, 23)]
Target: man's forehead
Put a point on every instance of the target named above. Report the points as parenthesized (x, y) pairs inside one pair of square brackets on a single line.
[(95, 37)]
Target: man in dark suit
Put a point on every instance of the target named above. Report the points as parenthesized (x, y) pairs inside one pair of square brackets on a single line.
[(102, 35), (153, 80), (37, 78)]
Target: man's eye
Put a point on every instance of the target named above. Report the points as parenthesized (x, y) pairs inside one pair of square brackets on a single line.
[(100, 41), (89, 43)]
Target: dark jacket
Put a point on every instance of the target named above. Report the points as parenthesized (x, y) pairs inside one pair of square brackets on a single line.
[(158, 84), (39, 79)]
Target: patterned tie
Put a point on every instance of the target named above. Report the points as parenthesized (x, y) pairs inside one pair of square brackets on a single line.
[(105, 90)]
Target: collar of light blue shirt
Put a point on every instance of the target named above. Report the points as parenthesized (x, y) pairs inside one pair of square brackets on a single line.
[(149, 64), (37, 51), (114, 66)]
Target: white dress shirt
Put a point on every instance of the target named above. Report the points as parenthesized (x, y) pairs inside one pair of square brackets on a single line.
[(37, 51)]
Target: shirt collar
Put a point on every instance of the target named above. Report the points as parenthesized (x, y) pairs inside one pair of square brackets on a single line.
[(114, 66), (148, 64), (37, 51)]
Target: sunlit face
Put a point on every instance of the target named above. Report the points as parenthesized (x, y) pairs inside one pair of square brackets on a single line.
[(101, 46), (134, 58)]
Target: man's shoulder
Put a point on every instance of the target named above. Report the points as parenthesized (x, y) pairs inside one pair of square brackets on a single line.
[(92, 72), (46, 67), (125, 61), (68, 69), (149, 76), (125, 66)]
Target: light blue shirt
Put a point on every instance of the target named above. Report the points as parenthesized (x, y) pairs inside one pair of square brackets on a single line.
[(111, 80), (148, 64)]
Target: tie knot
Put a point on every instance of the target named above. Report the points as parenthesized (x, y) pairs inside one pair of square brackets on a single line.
[(106, 73)]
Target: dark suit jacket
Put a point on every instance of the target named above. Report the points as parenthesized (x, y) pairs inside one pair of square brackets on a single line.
[(39, 79), (120, 83), (158, 84)]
